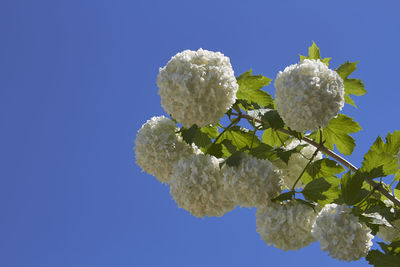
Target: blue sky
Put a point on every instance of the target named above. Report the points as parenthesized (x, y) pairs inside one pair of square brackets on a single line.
[(77, 80)]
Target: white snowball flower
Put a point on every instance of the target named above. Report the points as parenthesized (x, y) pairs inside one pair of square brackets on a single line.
[(308, 95), (253, 182), (158, 147), (286, 226), (197, 87), (340, 232), (196, 185), (296, 164)]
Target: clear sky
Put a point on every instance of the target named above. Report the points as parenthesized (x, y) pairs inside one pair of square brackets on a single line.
[(77, 80)]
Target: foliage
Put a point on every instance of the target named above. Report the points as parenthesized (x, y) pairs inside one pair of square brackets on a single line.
[(255, 127)]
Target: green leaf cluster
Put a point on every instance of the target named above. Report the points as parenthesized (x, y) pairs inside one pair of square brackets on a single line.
[(390, 257), (250, 95), (351, 86), (337, 133), (381, 159)]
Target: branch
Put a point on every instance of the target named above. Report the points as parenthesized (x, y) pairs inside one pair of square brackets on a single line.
[(375, 185)]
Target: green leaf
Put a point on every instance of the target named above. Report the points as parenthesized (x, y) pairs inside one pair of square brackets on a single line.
[(351, 86), (381, 159), (350, 101), (215, 150), (274, 138), (262, 151), (211, 131), (250, 89), (313, 190), (378, 259), (314, 53), (201, 139), (346, 69), (195, 135), (189, 134), (240, 137), (285, 155), (322, 168), (354, 87), (272, 118), (234, 159), (351, 188), (322, 190), (337, 133)]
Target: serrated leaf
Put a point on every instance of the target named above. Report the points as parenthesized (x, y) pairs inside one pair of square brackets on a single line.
[(262, 151), (189, 134), (337, 133), (351, 188), (274, 138), (354, 87), (196, 136), (346, 69), (240, 137), (322, 190), (314, 53), (229, 146), (378, 259), (351, 86), (381, 159), (234, 159), (272, 118), (285, 155), (250, 89), (211, 131), (215, 150), (313, 190), (324, 168), (201, 139), (350, 101)]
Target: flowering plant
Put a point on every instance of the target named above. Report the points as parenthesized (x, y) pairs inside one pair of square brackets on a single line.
[(275, 154)]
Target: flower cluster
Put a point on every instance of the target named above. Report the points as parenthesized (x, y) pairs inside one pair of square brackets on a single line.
[(286, 226), (197, 87), (253, 182), (308, 95), (340, 233), (291, 171), (196, 185), (158, 148)]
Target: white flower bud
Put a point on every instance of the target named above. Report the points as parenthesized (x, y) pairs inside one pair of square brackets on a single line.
[(197, 87), (308, 95)]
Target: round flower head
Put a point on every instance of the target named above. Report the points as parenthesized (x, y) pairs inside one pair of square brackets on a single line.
[(340, 232), (308, 95), (158, 147), (253, 182), (297, 162), (196, 185), (286, 226), (197, 87)]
